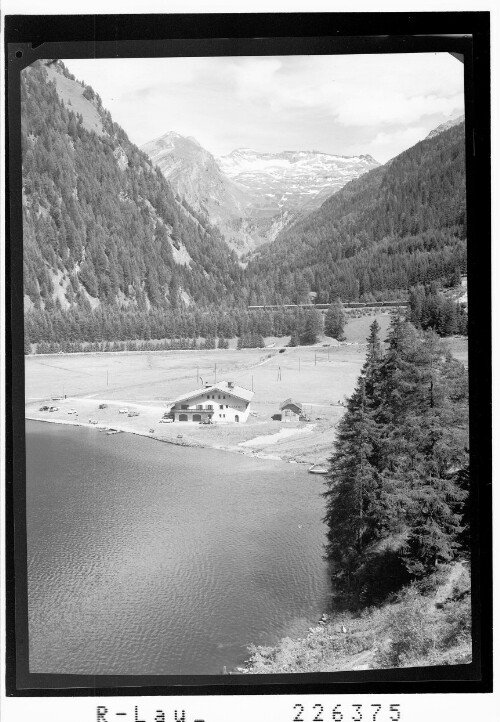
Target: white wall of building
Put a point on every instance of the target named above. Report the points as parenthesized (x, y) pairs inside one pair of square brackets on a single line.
[(226, 408)]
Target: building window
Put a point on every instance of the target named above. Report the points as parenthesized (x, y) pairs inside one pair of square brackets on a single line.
[(209, 406), (183, 417), (223, 397), (184, 406), (199, 406), (221, 406)]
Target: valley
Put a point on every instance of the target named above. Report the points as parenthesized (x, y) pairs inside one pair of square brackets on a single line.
[(252, 196), (147, 383), (320, 377), (274, 312)]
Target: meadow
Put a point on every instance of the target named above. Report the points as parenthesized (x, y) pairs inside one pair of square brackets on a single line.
[(320, 377)]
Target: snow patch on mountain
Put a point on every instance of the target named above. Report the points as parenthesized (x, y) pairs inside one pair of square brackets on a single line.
[(290, 179), (249, 195)]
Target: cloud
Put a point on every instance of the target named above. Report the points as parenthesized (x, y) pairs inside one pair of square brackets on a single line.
[(338, 104)]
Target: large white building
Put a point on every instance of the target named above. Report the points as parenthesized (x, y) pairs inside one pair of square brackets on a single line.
[(219, 404)]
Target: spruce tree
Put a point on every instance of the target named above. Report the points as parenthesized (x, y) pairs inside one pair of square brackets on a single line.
[(335, 321), (396, 497), (352, 480), (313, 327)]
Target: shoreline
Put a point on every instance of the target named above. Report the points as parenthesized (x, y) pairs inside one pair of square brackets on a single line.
[(172, 441)]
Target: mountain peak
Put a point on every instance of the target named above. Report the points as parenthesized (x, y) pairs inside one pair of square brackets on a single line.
[(171, 139), (446, 126)]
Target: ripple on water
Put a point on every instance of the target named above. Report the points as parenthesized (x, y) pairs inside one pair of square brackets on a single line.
[(146, 558)]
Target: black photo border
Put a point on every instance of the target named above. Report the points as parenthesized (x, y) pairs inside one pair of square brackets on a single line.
[(464, 34)]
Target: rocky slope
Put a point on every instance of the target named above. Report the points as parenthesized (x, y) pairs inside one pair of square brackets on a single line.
[(446, 126), (428, 624), (292, 180), (102, 226), (251, 196)]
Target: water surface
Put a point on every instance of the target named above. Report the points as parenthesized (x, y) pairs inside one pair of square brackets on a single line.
[(148, 558)]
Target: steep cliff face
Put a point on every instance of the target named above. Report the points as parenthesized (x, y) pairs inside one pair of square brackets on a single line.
[(251, 196), (102, 226), (196, 176)]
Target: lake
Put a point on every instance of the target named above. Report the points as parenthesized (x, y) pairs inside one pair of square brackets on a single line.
[(149, 558)]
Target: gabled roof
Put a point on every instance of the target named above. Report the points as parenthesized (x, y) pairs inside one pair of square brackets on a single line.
[(291, 402), (222, 387)]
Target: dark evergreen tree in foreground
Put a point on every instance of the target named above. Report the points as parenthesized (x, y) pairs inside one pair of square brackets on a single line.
[(395, 502)]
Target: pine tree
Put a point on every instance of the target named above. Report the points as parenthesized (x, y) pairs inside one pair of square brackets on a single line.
[(313, 327), (352, 480), (395, 497), (335, 321)]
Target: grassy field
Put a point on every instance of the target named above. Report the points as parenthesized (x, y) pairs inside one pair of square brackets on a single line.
[(319, 377), (149, 382)]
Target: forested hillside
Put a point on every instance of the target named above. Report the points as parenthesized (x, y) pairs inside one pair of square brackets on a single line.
[(102, 227), (394, 227), (111, 253)]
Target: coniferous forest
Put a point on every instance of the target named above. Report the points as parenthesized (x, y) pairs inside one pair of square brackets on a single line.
[(112, 254), (115, 260), (398, 481), (397, 226), (99, 217)]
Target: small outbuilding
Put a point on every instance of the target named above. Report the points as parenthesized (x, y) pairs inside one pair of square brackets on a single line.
[(291, 410)]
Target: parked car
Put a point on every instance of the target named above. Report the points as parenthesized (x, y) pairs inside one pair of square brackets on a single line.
[(54, 408), (123, 411), (166, 421), (44, 408), (133, 413), (103, 406)]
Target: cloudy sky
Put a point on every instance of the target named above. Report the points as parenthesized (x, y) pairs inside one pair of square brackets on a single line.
[(346, 104)]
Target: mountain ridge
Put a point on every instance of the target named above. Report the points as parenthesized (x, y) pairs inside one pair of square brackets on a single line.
[(398, 225), (102, 227), (250, 195)]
